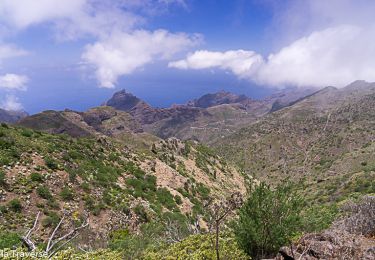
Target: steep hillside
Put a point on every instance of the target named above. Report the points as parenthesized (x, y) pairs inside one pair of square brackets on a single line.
[(102, 180), (326, 139)]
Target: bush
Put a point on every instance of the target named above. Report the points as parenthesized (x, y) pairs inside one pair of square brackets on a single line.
[(51, 220), (319, 217), (68, 253), (133, 246), (27, 133), (268, 220), (51, 163), (196, 247), (178, 199), (15, 205), (67, 194), (141, 213), (166, 198), (44, 192), (2, 179), (9, 240), (37, 177)]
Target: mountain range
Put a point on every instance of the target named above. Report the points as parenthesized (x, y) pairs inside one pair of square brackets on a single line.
[(205, 119), (125, 163)]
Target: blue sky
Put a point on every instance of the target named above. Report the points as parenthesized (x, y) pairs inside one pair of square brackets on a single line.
[(76, 53)]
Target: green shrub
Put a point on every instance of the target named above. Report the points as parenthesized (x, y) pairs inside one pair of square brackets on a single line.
[(165, 198), (133, 246), (68, 253), (51, 163), (178, 199), (44, 193), (67, 194), (2, 179), (15, 205), (26, 132), (319, 217), (268, 220), (85, 187), (51, 220), (197, 247), (37, 177), (3, 209), (141, 213), (9, 240)]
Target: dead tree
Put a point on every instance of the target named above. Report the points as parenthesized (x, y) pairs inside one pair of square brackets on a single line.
[(220, 210), (26, 238), (54, 244)]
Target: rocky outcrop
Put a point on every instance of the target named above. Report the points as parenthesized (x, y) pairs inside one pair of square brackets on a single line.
[(124, 101), (95, 121), (331, 244), (351, 237)]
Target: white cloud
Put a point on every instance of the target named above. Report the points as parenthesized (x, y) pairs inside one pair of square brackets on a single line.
[(335, 56), (11, 103), (13, 82), (10, 51), (240, 62), (24, 13), (123, 53), (72, 19), (317, 43), (119, 48)]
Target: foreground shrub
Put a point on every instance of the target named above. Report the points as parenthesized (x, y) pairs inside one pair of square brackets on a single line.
[(8, 239), (69, 253), (197, 247), (133, 246), (268, 220)]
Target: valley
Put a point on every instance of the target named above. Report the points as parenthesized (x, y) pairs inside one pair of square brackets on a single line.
[(126, 166)]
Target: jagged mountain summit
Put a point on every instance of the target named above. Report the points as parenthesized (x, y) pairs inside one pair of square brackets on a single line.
[(205, 119)]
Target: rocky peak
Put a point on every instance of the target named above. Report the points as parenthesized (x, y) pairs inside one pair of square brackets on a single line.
[(125, 101)]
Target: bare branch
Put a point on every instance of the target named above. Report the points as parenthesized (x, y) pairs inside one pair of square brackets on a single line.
[(53, 234), (26, 238), (52, 243), (62, 245)]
